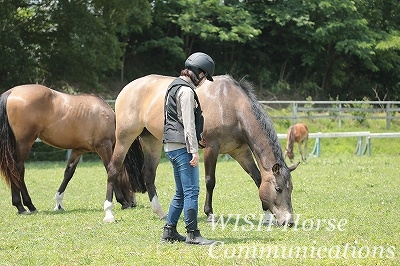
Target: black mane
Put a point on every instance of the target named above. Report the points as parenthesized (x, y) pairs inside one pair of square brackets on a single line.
[(262, 116)]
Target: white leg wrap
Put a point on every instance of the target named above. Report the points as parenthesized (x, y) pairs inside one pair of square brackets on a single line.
[(134, 201), (156, 207), (59, 198), (108, 206)]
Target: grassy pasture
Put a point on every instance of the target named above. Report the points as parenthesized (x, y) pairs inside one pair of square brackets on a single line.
[(359, 196)]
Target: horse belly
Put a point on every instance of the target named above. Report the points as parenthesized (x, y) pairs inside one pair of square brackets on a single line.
[(66, 139)]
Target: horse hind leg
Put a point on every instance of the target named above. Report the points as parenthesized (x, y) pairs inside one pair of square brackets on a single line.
[(303, 152), (16, 199), (73, 161), (121, 186), (22, 190), (152, 155), (26, 199), (305, 148)]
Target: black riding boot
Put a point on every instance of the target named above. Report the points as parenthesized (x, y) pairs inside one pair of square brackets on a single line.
[(171, 235), (193, 233)]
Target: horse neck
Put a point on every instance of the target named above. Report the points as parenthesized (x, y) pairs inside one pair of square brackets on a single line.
[(263, 141), (290, 139)]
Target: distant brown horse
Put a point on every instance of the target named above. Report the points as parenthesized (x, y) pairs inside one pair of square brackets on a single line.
[(83, 123), (297, 133), (235, 124)]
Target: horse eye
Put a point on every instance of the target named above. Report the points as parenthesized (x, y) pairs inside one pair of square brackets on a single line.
[(278, 189)]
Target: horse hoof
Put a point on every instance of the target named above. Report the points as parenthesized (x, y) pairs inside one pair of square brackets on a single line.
[(268, 222), (59, 208), (124, 207), (109, 219), (211, 218), (25, 212)]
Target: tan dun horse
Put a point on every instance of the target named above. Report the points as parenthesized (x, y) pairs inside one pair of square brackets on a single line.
[(83, 123), (235, 124), (297, 133)]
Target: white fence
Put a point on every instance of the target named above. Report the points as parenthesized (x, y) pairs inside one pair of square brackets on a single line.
[(363, 140), (363, 146)]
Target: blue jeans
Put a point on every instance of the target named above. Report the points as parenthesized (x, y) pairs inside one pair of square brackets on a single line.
[(187, 186)]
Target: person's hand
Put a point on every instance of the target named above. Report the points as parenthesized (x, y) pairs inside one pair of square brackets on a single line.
[(202, 143), (195, 159)]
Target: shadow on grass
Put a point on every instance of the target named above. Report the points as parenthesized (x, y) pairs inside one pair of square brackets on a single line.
[(93, 210), (79, 210)]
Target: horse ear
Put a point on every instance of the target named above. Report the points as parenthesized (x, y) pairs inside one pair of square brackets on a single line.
[(293, 167), (275, 169)]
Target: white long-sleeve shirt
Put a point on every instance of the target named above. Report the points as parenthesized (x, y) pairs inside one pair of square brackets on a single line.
[(185, 108)]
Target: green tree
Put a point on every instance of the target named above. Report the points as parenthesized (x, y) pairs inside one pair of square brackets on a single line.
[(18, 62), (182, 27)]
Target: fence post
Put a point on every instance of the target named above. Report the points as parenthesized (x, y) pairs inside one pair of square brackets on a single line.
[(316, 152), (294, 113), (367, 149), (387, 116), (359, 147), (340, 115)]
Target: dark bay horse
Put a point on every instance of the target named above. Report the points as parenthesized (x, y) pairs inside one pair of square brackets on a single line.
[(235, 124), (82, 123), (297, 133)]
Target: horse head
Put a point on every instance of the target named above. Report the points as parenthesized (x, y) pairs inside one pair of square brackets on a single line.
[(289, 154), (275, 193)]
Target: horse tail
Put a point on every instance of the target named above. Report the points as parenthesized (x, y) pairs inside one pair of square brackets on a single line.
[(8, 165), (134, 164)]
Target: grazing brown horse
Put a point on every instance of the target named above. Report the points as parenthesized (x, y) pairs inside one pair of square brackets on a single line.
[(82, 123), (299, 134), (235, 124)]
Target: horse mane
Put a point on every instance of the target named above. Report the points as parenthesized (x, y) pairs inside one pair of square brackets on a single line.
[(262, 116)]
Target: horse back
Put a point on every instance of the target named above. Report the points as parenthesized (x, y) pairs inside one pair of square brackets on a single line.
[(300, 132), (140, 105), (59, 119)]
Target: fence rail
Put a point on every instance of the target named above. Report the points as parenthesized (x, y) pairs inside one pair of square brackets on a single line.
[(359, 110), (363, 146), (339, 110)]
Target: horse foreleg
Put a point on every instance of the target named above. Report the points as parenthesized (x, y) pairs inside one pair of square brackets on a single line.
[(244, 157), (73, 161), (152, 155), (210, 162)]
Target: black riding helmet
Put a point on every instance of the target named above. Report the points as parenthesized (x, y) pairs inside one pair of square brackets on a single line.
[(201, 61)]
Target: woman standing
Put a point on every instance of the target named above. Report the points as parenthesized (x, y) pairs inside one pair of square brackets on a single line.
[(183, 125)]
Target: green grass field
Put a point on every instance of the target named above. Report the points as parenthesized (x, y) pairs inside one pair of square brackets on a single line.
[(347, 208)]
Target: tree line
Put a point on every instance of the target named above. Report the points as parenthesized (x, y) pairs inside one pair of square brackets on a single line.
[(289, 49)]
